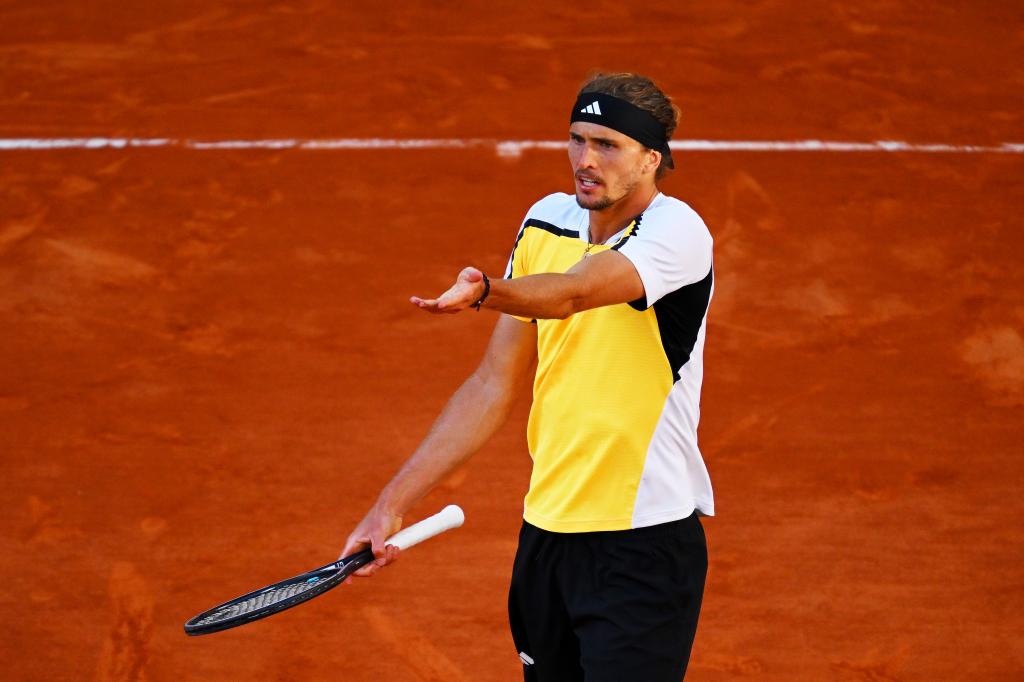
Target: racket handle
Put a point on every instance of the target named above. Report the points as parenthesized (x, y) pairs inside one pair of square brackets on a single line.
[(446, 519)]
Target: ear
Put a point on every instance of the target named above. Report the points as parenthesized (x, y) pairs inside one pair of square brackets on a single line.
[(652, 160)]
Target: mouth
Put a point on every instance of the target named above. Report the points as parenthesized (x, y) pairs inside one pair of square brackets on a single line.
[(586, 184)]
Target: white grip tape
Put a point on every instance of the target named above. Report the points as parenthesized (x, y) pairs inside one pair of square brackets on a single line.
[(446, 519)]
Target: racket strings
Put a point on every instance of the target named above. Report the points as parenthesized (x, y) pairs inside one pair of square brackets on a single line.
[(258, 601)]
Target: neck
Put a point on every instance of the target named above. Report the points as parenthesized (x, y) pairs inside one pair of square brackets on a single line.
[(606, 222)]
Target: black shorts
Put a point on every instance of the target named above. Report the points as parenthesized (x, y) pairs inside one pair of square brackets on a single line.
[(610, 606)]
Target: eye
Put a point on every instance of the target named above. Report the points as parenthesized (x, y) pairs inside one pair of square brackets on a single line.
[(605, 144), (576, 139)]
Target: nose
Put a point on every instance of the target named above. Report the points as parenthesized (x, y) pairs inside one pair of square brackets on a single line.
[(586, 158)]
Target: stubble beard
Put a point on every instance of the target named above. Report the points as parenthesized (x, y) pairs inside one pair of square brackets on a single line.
[(605, 201), (595, 204)]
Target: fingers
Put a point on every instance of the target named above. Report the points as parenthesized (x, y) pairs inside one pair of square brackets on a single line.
[(460, 296), (372, 532), (428, 304), (388, 556), (353, 545), (471, 275), (436, 305)]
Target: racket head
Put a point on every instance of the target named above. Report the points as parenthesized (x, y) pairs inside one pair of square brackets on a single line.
[(275, 598)]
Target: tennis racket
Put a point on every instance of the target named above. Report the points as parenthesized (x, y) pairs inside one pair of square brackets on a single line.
[(288, 593)]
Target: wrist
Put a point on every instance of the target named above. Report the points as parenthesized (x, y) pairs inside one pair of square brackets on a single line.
[(484, 295), (389, 502)]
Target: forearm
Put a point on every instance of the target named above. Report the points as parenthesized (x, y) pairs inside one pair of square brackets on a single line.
[(477, 409), (543, 297)]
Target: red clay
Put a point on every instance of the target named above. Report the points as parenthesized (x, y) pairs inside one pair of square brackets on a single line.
[(208, 365)]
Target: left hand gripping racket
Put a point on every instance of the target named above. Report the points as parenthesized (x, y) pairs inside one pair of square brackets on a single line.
[(288, 593)]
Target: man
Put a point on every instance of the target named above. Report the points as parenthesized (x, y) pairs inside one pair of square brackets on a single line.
[(608, 291)]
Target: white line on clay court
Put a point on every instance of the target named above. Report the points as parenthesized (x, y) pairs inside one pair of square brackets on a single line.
[(505, 148)]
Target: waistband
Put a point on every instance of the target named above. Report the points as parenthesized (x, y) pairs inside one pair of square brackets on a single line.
[(659, 530)]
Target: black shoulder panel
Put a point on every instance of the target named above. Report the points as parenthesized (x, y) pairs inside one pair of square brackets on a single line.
[(634, 227), (553, 229), (515, 246), (680, 315)]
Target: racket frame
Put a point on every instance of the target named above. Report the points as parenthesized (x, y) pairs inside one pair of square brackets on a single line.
[(448, 518), (342, 569)]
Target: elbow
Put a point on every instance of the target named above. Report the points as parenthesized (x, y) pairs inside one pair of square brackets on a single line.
[(494, 388)]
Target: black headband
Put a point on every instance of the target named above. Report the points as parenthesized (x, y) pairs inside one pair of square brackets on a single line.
[(620, 115)]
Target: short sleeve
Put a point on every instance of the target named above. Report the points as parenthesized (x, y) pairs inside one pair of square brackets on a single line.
[(670, 248)]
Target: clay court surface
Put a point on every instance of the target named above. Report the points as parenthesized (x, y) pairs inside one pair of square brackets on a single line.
[(208, 364)]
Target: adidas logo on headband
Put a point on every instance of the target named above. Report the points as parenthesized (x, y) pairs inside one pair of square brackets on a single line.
[(623, 116)]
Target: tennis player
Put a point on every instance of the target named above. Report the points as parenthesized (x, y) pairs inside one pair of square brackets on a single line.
[(607, 289)]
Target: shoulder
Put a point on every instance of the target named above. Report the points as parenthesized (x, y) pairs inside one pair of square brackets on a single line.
[(670, 249), (671, 218), (558, 209)]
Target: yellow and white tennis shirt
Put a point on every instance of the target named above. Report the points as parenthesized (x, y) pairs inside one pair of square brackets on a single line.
[(616, 398)]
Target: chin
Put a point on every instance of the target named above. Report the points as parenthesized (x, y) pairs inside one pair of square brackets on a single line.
[(594, 204)]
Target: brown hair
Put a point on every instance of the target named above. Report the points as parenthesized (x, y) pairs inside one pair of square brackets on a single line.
[(642, 93)]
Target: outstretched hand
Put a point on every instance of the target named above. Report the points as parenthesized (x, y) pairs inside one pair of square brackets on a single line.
[(467, 290)]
